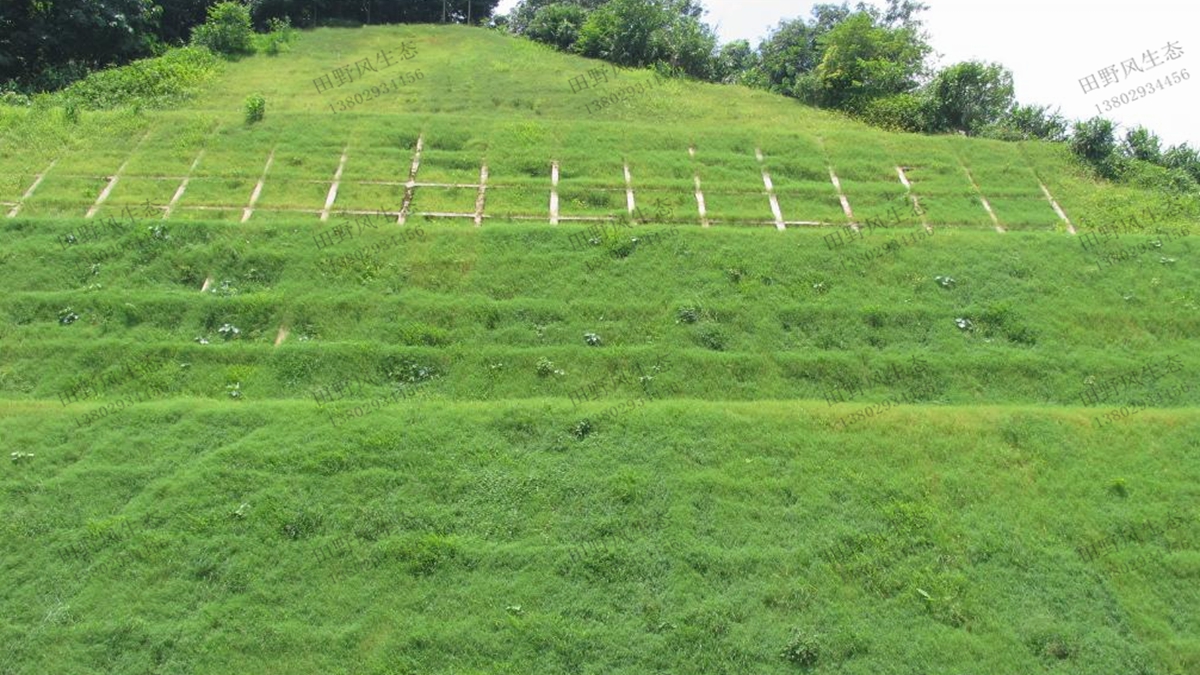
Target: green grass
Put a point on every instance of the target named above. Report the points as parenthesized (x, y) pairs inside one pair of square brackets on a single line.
[(711, 518)]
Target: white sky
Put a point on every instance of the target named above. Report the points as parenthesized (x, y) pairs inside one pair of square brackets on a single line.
[(1048, 44)]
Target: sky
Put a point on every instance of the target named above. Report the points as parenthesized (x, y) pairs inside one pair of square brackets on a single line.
[(1050, 46)]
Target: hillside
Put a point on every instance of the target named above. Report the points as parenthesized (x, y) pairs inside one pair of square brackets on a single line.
[(402, 389)]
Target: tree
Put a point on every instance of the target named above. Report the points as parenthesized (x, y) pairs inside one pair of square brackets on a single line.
[(689, 44), (792, 50), (902, 14), (626, 32), (862, 61), (1094, 142), (179, 17), (735, 63), (557, 24), (46, 45), (787, 53), (970, 96)]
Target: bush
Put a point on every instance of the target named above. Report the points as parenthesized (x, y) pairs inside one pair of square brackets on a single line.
[(279, 35), (227, 30), (902, 112), (256, 107)]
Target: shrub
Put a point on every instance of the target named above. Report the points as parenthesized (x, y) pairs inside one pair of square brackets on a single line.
[(902, 112), (279, 35), (256, 107), (227, 30)]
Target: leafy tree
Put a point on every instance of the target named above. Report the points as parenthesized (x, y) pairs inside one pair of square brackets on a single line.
[(736, 62), (792, 50), (898, 14), (970, 96), (862, 61), (787, 53), (827, 16), (48, 44), (689, 44), (557, 24), (1094, 142), (227, 30)]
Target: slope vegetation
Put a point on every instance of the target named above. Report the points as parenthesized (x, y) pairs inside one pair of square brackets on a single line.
[(407, 388)]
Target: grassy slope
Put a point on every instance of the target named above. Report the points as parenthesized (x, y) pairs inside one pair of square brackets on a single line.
[(712, 503)]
